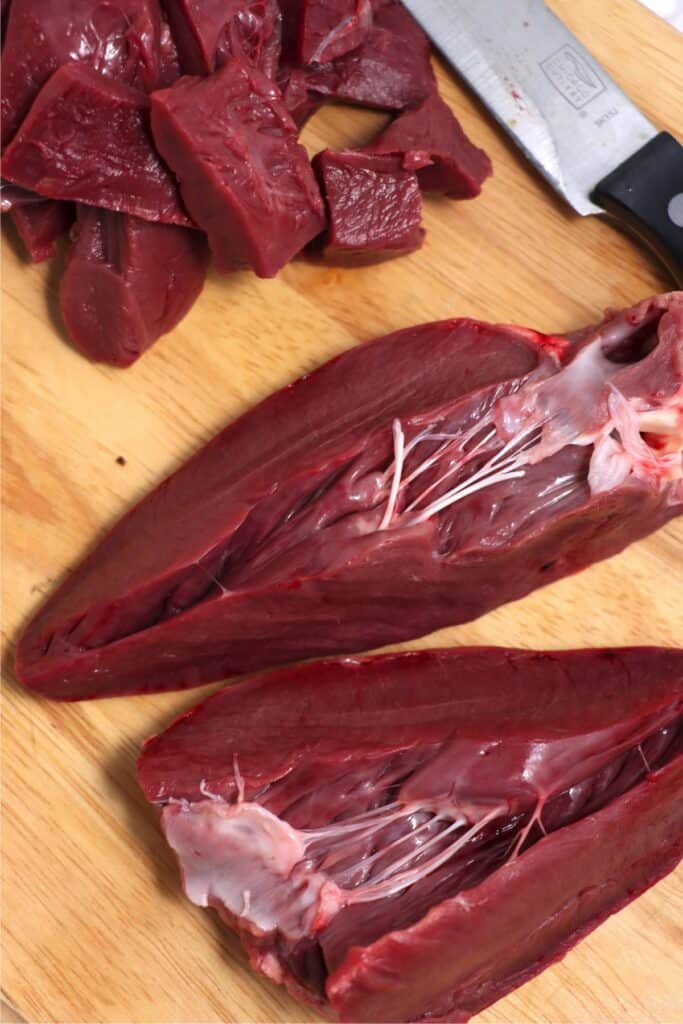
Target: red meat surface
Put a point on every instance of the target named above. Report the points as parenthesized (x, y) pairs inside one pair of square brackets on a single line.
[(40, 224), (319, 31), (211, 32), (300, 101), (390, 70), (414, 482), (169, 69), (431, 141), (409, 837), (118, 38), (127, 282), (243, 175), (87, 139), (4, 12), (374, 207)]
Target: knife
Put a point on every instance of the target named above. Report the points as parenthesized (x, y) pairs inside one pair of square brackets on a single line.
[(566, 114)]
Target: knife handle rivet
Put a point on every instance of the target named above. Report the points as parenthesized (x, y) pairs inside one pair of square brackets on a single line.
[(675, 210)]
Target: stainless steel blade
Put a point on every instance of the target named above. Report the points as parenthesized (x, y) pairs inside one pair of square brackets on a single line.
[(564, 111)]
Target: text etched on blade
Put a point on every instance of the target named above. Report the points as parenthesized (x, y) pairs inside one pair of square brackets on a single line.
[(572, 76)]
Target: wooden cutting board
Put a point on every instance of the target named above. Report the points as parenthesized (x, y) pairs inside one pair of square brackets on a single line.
[(95, 927)]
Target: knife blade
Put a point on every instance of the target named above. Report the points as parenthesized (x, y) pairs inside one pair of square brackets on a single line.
[(567, 115)]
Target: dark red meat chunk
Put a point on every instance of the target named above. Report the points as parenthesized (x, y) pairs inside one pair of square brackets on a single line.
[(87, 138), (243, 175), (119, 38), (39, 225), (391, 70), (209, 32), (374, 207), (300, 101), (128, 281), (431, 141), (318, 31), (39, 222), (410, 837), (4, 12)]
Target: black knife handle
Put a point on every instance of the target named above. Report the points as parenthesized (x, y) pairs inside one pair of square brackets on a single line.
[(645, 195)]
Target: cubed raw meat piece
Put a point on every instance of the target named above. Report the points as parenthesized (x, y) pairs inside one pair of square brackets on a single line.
[(318, 31), (120, 39), (39, 225), (127, 282), (243, 175), (87, 138), (431, 141), (300, 101), (209, 32), (374, 207), (391, 70)]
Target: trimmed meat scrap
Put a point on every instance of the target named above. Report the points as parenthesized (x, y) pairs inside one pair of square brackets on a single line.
[(410, 837), (414, 482)]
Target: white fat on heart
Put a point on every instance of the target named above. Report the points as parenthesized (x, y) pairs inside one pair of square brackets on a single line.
[(578, 405), (241, 858), (621, 450), (256, 869)]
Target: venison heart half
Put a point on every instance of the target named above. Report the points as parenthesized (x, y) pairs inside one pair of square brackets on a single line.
[(414, 482), (408, 837)]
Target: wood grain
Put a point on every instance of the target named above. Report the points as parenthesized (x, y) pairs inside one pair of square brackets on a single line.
[(8, 1015), (95, 928)]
